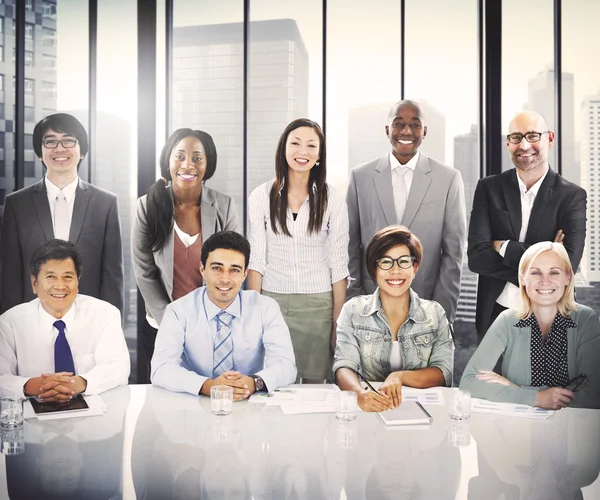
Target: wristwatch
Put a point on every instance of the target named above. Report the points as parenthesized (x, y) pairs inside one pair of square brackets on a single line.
[(259, 383)]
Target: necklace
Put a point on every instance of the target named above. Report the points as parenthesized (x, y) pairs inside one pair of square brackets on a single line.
[(180, 216), (299, 200)]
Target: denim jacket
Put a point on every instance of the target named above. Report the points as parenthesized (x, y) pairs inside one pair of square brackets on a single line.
[(364, 340)]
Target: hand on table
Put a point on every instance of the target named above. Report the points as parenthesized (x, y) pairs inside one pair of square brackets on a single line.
[(392, 387), (554, 398), (371, 401), (492, 377), (55, 387), (242, 385)]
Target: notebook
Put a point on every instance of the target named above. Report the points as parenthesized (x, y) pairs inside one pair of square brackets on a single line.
[(409, 413)]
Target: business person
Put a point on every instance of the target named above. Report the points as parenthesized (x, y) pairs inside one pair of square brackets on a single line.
[(61, 205), (514, 210), (406, 187), (172, 221), (392, 335), (545, 342), (62, 343), (299, 238), (219, 335)]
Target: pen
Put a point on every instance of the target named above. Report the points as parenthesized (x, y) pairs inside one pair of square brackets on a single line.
[(368, 384)]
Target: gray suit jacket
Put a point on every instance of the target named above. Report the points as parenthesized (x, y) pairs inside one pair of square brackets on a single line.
[(95, 231), (435, 212), (154, 272)]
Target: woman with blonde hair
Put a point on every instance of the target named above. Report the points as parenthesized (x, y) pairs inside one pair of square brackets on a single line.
[(550, 345)]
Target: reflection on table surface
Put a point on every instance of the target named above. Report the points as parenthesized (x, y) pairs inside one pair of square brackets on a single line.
[(160, 445)]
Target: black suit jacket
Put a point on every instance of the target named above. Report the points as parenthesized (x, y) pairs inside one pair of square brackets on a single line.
[(496, 215), (95, 231)]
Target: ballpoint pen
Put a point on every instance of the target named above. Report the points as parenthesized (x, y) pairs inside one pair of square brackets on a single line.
[(360, 375)]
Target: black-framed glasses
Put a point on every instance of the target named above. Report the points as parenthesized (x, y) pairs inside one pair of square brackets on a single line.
[(529, 137), (404, 262), (66, 143)]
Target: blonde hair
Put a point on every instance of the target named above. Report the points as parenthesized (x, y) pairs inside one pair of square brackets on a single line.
[(567, 303)]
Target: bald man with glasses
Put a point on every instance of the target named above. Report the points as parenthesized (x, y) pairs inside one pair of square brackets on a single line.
[(517, 208)]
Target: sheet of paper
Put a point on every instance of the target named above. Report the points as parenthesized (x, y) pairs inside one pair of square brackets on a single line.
[(509, 409), (431, 396), (297, 394), (94, 401)]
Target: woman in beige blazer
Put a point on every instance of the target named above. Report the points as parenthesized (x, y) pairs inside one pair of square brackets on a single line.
[(172, 221)]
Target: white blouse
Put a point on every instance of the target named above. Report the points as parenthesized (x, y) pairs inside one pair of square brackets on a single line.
[(306, 262)]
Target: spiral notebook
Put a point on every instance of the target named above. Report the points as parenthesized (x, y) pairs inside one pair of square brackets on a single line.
[(408, 413)]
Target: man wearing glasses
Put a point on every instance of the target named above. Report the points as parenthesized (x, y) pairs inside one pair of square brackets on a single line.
[(63, 206), (514, 210)]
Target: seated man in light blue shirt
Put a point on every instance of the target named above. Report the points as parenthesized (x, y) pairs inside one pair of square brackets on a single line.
[(219, 335)]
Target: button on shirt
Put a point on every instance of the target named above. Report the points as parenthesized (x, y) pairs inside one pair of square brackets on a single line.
[(406, 179), (68, 191), (183, 354), (93, 329), (306, 262), (510, 296)]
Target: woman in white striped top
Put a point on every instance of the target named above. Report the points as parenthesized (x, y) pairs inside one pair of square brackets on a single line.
[(299, 240)]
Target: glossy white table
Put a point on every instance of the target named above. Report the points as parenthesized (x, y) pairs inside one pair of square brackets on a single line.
[(160, 445)]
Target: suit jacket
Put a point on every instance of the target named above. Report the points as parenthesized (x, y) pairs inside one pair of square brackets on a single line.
[(95, 231), (435, 212), (496, 215), (154, 271)]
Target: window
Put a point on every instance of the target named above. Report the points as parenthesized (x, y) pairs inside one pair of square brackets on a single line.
[(30, 114), (49, 90), (2, 25), (1, 52), (49, 10), (28, 141), (29, 31), (1, 83), (28, 58), (29, 86), (29, 168), (49, 37), (48, 62), (29, 5)]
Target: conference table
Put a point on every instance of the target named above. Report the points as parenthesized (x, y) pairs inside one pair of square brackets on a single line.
[(151, 443)]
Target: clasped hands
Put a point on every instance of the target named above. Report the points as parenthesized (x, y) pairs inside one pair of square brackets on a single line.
[(55, 387), (243, 386), (390, 395)]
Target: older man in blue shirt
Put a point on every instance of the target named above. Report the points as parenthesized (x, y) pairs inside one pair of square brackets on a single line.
[(219, 335)]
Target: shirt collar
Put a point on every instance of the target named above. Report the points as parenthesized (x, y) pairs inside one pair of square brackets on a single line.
[(48, 320), (415, 311), (535, 188), (68, 190), (212, 309), (531, 321), (412, 163)]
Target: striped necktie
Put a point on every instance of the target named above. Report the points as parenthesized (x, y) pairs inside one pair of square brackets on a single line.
[(63, 358), (223, 351)]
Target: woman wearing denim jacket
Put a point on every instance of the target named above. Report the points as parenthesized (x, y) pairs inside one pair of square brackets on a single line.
[(392, 335)]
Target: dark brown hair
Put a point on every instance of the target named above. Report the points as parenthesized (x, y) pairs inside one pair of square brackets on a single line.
[(388, 238), (317, 187)]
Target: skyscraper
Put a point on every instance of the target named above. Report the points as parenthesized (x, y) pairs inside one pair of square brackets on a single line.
[(541, 99), (466, 161), (208, 93)]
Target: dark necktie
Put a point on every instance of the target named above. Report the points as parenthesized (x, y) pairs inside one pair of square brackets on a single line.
[(63, 358)]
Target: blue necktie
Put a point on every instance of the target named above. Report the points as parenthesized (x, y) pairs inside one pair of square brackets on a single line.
[(63, 358), (223, 351)]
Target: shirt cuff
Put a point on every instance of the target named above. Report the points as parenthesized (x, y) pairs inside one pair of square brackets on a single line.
[(502, 251), (257, 266)]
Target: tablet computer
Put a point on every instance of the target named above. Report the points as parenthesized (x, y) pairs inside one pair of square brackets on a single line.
[(78, 403)]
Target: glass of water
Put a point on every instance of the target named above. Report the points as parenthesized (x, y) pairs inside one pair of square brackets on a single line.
[(347, 407), (221, 399), (11, 412), (460, 406)]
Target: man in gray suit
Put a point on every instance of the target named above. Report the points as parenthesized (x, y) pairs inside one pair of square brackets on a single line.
[(406, 187), (61, 205)]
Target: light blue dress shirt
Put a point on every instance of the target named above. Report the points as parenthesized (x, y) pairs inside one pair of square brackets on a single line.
[(183, 354)]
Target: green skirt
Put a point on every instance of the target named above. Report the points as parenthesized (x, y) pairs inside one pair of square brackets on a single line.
[(309, 316)]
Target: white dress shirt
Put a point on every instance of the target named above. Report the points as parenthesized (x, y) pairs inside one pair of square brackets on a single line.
[(183, 353), (93, 329), (69, 192), (306, 262), (510, 296), (407, 178)]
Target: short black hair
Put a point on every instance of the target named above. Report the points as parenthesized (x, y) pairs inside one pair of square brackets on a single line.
[(228, 240), (387, 238), (65, 124), (55, 250)]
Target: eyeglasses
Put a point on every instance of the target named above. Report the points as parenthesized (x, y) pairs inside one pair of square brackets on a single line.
[(529, 137), (404, 262), (66, 143)]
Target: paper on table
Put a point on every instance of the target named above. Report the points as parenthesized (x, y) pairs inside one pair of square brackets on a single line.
[(509, 409), (431, 396), (94, 401), (297, 394)]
